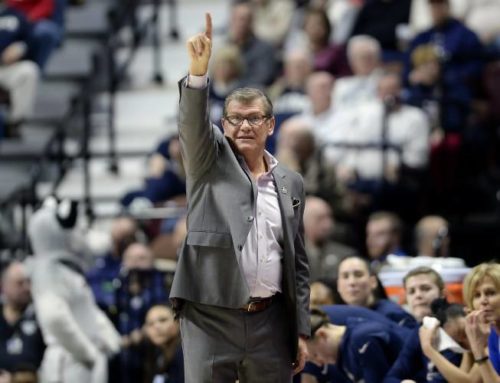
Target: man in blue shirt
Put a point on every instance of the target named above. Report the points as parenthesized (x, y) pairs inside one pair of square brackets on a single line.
[(21, 341), (458, 53)]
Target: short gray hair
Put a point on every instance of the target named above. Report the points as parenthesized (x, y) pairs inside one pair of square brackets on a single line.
[(363, 41), (248, 95)]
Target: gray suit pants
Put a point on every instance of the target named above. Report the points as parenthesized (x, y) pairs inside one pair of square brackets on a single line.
[(222, 345)]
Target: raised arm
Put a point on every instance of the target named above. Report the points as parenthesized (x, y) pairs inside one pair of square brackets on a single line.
[(200, 49), (198, 146)]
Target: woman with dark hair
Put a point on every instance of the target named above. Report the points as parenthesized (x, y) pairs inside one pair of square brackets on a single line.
[(326, 56), (164, 361), (413, 364), (358, 285)]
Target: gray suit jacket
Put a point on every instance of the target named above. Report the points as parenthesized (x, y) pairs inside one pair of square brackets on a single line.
[(221, 204)]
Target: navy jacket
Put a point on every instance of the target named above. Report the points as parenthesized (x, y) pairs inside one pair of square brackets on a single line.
[(13, 27), (461, 54), (413, 364), (367, 351)]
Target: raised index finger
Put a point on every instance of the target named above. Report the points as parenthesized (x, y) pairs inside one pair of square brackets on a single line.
[(208, 25)]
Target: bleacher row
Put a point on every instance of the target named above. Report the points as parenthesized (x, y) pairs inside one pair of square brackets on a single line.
[(82, 66)]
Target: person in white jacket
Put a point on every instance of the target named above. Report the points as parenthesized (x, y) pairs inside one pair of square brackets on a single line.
[(78, 335)]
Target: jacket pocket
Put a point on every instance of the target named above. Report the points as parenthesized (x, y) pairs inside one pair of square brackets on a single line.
[(207, 238)]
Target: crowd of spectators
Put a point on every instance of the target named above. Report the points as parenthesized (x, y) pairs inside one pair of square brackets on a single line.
[(377, 104)]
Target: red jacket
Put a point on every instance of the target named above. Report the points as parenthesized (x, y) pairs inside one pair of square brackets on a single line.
[(34, 9)]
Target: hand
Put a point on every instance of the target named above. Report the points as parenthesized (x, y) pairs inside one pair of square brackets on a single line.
[(5, 377), (200, 48), (427, 337), (302, 355), (13, 53), (477, 329)]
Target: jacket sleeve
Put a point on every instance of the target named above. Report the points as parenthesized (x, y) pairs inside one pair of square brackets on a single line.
[(373, 360), (196, 133), (408, 365), (302, 274)]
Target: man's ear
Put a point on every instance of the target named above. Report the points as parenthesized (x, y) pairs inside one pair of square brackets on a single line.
[(272, 123)]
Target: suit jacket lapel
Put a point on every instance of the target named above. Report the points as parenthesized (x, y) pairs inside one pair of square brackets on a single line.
[(285, 201)]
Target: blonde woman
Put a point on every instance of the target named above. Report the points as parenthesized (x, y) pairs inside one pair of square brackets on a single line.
[(482, 297)]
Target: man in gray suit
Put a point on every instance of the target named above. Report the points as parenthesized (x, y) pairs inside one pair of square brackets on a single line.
[(241, 286)]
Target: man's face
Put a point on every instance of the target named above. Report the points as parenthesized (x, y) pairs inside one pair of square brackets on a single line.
[(138, 256), (319, 90), (440, 11), (319, 223), (248, 137), (421, 290), (16, 287), (240, 25), (363, 61), (379, 238)]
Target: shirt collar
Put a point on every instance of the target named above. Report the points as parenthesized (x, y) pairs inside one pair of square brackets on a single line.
[(271, 161)]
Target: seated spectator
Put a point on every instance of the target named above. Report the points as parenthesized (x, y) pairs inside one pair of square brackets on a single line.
[(258, 56), (165, 178), (329, 122), (481, 290), (21, 341), (47, 29), (322, 293), (364, 56), (360, 350), (379, 19), (327, 57), (457, 66), (288, 93), (422, 286), (18, 76), (384, 151), (141, 286), (432, 236), (124, 231), (226, 73), (357, 285), (383, 237), (482, 297), (413, 362), (165, 361), (272, 20), (298, 149), (421, 18), (404, 129), (323, 252)]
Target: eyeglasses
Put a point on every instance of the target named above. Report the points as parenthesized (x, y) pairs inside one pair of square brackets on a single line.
[(253, 121)]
